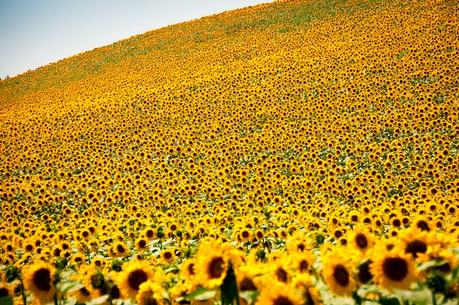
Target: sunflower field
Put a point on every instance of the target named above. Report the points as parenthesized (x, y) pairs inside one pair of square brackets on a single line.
[(298, 152)]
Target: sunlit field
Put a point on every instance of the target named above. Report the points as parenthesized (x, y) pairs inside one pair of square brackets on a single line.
[(292, 153)]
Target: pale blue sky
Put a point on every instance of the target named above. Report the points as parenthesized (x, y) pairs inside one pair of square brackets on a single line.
[(34, 33)]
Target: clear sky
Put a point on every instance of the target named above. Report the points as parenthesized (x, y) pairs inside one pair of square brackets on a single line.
[(34, 33)]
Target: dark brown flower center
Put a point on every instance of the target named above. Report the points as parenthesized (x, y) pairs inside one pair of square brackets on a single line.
[(361, 241), (42, 279), (247, 284), (84, 291), (395, 268), (301, 247), (137, 277), (3, 292), (281, 300), (142, 243), (281, 274), (341, 275), (150, 233), (191, 269), (120, 248), (423, 225), (304, 265), (216, 267), (416, 246), (167, 255)]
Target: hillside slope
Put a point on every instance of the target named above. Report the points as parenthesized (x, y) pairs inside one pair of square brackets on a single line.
[(269, 126)]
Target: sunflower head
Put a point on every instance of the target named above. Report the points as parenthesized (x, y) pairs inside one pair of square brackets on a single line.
[(361, 239), (393, 269), (39, 279), (189, 269), (133, 275), (337, 271), (212, 264), (416, 242)]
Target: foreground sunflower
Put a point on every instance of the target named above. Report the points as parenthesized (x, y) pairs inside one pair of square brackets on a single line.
[(361, 239), (133, 275), (416, 242), (337, 273), (393, 270), (212, 264), (39, 279)]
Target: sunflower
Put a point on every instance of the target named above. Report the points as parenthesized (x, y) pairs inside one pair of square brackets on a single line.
[(189, 269), (77, 258), (150, 294), (422, 223), (133, 275), (212, 264), (393, 269), (167, 256), (120, 249), (415, 241), (282, 268), (337, 273), (303, 261), (298, 243), (277, 293), (39, 279), (361, 239), (141, 244)]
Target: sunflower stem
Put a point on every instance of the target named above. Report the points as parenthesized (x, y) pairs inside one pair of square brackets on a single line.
[(56, 301), (24, 299), (434, 300), (109, 290)]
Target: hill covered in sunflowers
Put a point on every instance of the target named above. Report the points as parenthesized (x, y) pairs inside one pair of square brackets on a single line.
[(297, 152)]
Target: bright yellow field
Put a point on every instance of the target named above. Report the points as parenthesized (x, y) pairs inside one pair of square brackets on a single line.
[(299, 152)]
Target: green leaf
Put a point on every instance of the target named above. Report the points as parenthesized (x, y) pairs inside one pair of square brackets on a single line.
[(201, 294), (389, 301), (6, 300), (11, 273), (68, 286), (171, 270), (430, 264)]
